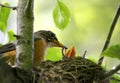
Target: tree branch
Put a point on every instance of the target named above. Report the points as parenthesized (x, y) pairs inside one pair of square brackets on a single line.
[(109, 35), (111, 72), (13, 8)]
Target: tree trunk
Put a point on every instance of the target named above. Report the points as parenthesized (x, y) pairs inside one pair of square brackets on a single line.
[(24, 47)]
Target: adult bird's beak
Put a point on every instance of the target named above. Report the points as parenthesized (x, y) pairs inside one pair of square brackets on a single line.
[(58, 44)]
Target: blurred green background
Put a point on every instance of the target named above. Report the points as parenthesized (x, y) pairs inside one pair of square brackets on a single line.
[(87, 30)]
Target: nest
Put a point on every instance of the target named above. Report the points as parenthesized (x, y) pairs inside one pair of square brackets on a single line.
[(77, 70)]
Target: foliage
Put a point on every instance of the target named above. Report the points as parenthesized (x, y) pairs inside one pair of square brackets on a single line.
[(113, 51), (10, 36), (4, 14), (117, 76), (0, 44), (61, 15), (116, 79)]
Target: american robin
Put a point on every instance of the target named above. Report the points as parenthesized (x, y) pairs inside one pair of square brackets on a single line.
[(42, 40)]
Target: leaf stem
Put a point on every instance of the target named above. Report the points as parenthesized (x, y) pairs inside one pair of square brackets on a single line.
[(107, 42)]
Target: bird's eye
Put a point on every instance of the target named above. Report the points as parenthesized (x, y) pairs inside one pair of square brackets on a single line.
[(51, 34), (49, 40)]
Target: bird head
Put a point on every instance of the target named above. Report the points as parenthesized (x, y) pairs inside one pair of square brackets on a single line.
[(49, 37)]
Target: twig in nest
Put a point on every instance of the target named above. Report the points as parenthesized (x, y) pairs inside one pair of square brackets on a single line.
[(14, 8), (84, 54), (107, 42)]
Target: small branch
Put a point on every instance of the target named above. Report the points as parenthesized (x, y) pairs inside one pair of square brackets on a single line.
[(13, 8), (111, 72), (84, 54), (107, 42), (17, 36)]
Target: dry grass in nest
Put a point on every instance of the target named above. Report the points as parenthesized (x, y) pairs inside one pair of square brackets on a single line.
[(77, 70)]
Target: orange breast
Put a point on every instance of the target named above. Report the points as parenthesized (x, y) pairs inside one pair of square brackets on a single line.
[(10, 56), (39, 53)]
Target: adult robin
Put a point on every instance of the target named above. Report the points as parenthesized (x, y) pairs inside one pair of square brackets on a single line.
[(42, 40)]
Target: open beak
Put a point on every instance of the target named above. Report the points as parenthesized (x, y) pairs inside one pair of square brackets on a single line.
[(58, 44)]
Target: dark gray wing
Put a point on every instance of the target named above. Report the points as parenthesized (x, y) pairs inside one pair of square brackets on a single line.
[(6, 48)]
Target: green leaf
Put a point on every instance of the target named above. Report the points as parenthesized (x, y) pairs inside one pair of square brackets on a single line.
[(0, 44), (116, 78), (113, 51), (10, 36), (114, 81), (4, 14), (61, 15)]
